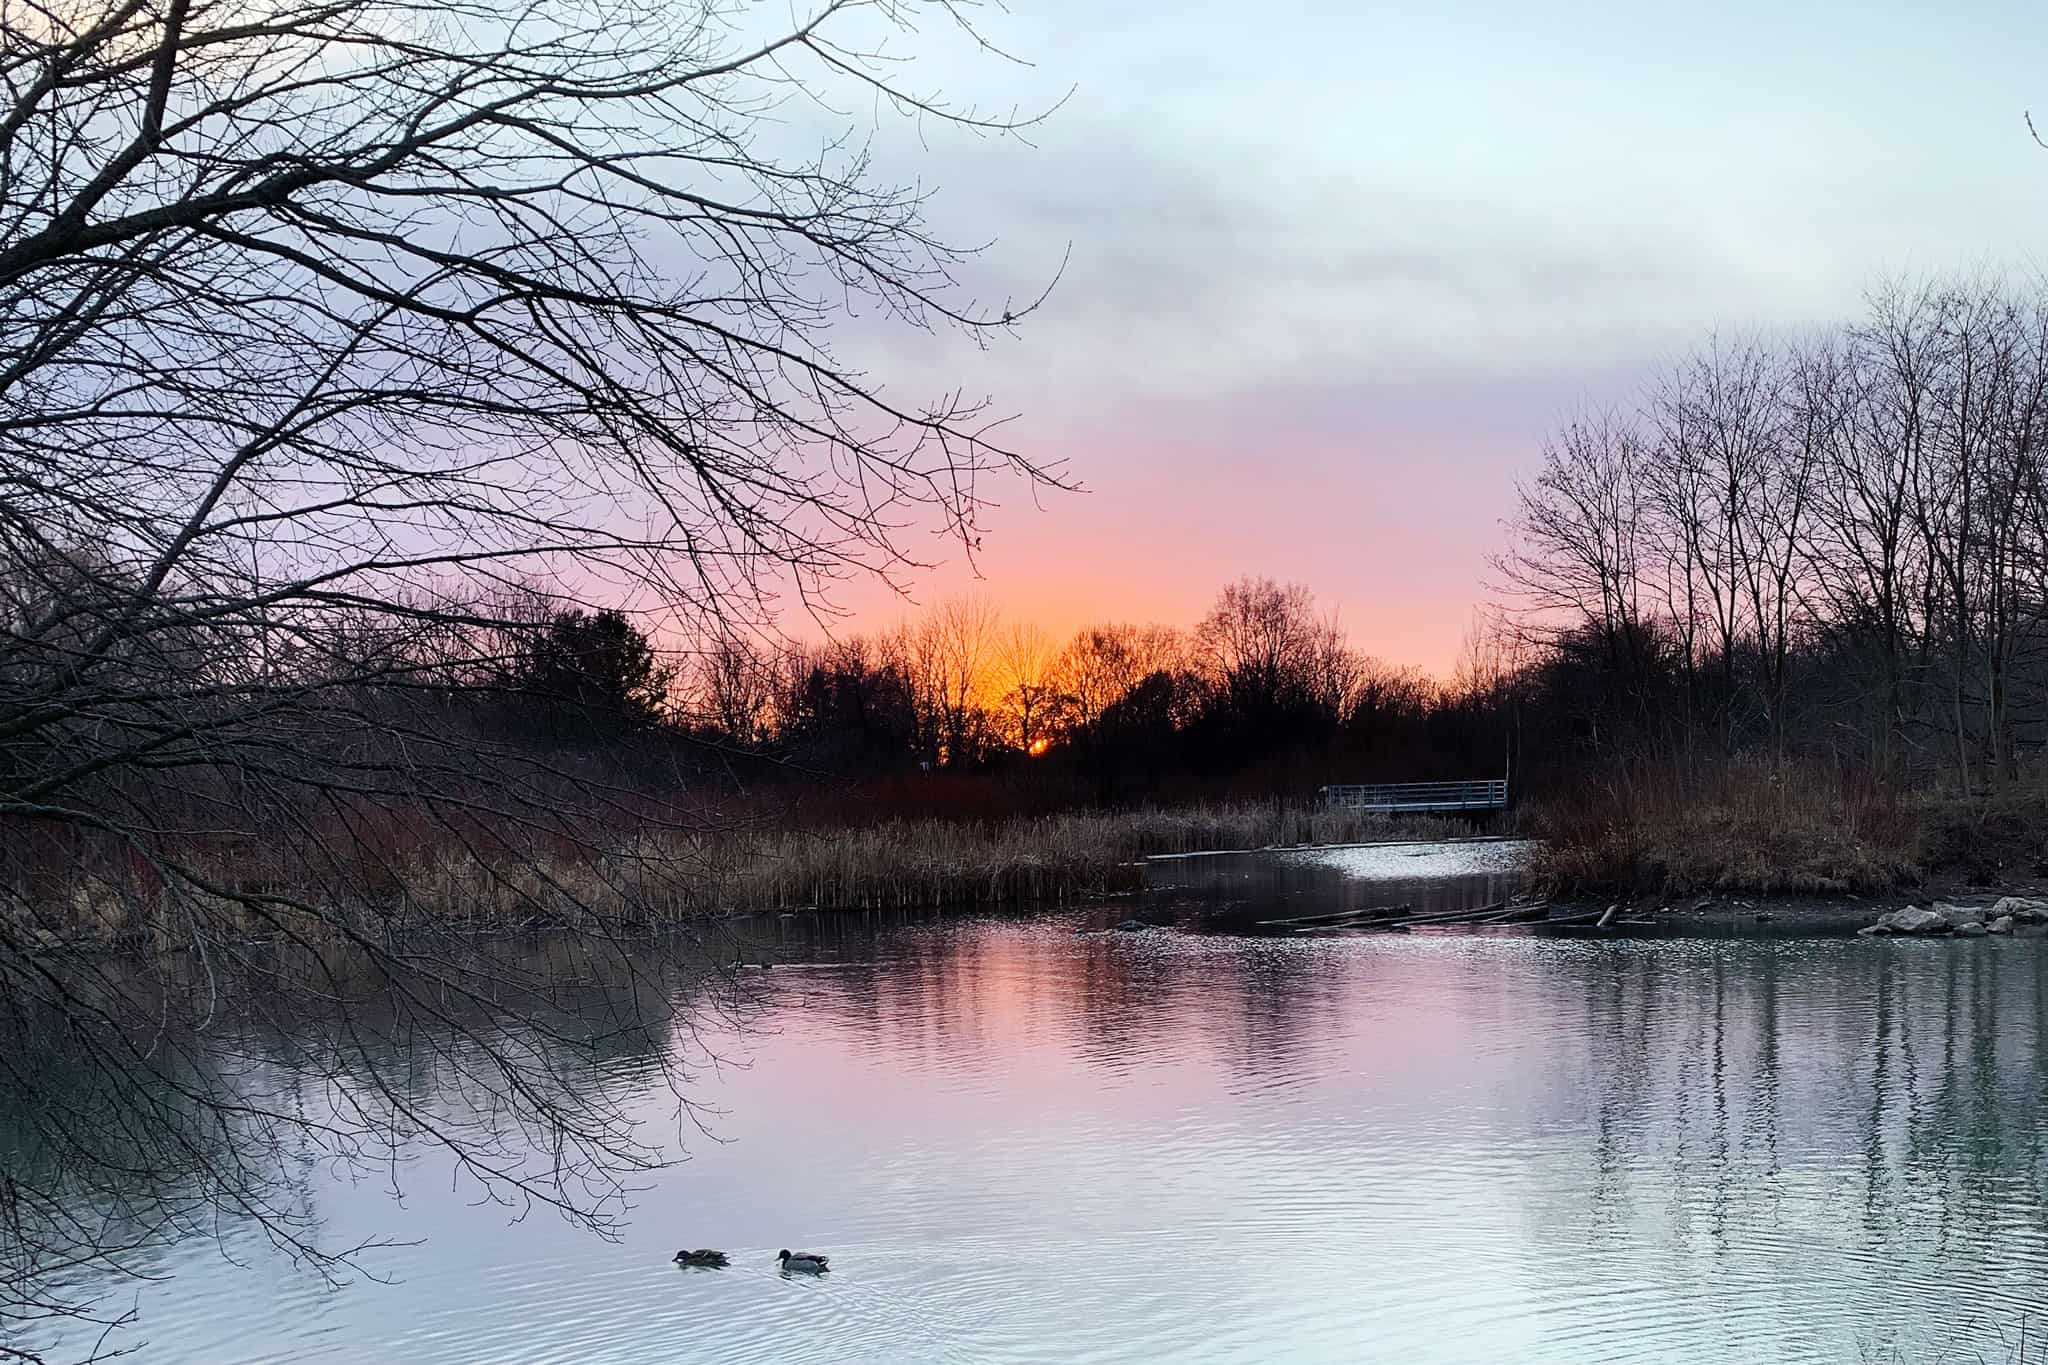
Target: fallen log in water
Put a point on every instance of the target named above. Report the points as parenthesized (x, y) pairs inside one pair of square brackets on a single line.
[(1536, 916), (1478, 914), (1396, 917), (1348, 926), (1521, 914), (1335, 916), (1596, 921)]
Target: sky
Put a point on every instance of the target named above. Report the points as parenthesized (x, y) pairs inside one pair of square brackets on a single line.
[(1334, 270)]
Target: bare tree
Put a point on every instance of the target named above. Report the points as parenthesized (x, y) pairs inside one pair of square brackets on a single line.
[(1493, 668), (1721, 417), (326, 323), (1866, 566), (735, 689), (1101, 664), (947, 654), (1577, 552), (1262, 642), (1028, 699), (2009, 555)]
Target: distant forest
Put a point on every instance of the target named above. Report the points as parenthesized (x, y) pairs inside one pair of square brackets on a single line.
[(1262, 695)]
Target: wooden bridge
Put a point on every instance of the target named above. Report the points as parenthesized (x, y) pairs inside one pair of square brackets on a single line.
[(1486, 794)]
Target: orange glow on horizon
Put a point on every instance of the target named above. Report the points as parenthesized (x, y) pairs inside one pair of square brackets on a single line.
[(1153, 543)]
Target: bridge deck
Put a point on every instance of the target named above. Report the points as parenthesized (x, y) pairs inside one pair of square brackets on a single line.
[(1418, 797)]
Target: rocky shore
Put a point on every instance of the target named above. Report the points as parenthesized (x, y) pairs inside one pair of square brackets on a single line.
[(2006, 915)]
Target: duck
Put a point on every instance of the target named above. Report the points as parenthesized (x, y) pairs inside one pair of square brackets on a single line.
[(711, 1260), (803, 1262)]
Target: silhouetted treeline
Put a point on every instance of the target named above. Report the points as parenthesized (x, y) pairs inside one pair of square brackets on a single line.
[(1263, 695), (1831, 547)]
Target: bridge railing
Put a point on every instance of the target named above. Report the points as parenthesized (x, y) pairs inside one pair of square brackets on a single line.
[(1485, 794)]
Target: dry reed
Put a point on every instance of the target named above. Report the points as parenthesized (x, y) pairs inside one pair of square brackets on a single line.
[(897, 865), (650, 878), (1745, 827)]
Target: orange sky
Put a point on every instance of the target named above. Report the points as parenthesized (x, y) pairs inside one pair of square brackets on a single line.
[(1326, 275), (1387, 521)]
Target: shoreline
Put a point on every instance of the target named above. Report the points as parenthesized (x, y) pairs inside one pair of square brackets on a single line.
[(1326, 848), (1798, 913), (646, 878)]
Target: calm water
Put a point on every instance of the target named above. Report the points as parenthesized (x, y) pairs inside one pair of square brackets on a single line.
[(1023, 1143), (1235, 891)]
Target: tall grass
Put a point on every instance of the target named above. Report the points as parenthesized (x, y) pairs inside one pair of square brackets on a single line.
[(909, 864), (1743, 826), (650, 877)]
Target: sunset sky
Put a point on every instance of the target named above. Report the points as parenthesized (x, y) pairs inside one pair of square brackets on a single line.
[(1335, 269)]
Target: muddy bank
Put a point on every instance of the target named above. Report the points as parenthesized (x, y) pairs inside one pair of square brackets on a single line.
[(1483, 886), (1799, 913)]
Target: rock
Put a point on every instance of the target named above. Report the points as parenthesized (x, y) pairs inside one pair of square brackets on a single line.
[(1915, 920), (1971, 929), (2001, 925), (1959, 914), (2022, 909), (1867, 930)]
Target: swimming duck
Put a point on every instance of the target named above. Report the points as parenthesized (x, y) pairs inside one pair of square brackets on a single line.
[(714, 1260), (803, 1262)]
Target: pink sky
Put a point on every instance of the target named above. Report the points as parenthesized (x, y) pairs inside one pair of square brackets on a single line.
[(1388, 521), (1332, 272)]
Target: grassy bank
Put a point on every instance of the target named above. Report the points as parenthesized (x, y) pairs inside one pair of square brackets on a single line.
[(907, 864), (660, 876), (1766, 829)]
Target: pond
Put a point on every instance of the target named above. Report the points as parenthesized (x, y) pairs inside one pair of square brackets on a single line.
[(1020, 1142)]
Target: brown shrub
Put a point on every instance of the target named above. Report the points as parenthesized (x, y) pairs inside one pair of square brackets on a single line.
[(1743, 826)]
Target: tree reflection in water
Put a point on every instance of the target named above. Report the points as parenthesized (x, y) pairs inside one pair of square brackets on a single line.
[(1012, 1133)]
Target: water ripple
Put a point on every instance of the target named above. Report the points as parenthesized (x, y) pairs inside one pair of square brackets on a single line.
[(1024, 1145)]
